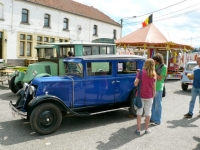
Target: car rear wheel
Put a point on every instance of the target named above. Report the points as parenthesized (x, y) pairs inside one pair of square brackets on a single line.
[(132, 108), (184, 86), (45, 118)]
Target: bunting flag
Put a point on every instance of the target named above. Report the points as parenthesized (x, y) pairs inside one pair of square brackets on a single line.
[(148, 21)]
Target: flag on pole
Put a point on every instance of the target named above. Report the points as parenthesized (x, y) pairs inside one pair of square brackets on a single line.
[(148, 21)]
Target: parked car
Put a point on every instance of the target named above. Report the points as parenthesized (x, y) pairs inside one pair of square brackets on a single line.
[(50, 59), (185, 81), (91, 85)]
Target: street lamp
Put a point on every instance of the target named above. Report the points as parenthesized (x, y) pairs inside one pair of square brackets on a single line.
[(125, 18)]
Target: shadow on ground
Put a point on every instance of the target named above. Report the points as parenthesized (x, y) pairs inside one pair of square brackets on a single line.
[(8, 96), (198, 145), (181, 92), (19, 131), (184, 122), (120, 138)]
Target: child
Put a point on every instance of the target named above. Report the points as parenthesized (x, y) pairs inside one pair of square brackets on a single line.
[(147, 92)]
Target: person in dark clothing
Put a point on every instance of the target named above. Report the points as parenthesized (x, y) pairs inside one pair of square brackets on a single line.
[(70, 54), (195, 76)]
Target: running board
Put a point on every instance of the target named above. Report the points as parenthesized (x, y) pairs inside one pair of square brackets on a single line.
[(101, 112)]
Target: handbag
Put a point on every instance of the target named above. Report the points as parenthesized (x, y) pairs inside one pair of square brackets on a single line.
[(164, 92), (138, 100)]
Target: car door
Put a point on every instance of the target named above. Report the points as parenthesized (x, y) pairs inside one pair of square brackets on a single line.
[(99, 83), (124, 81)]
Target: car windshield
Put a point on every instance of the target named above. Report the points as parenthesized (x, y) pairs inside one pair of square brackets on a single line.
[(190, 67), (73, 68)]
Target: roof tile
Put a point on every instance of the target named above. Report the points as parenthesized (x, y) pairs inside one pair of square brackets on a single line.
[(76, 8)]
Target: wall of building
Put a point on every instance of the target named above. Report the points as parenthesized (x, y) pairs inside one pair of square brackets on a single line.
[(12, 27)]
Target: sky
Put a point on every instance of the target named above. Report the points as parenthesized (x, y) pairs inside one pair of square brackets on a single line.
[(178, 20)]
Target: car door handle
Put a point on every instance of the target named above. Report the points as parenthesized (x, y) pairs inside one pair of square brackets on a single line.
[(117, 81)]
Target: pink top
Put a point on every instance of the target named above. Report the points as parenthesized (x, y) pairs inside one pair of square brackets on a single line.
[(146, 90)]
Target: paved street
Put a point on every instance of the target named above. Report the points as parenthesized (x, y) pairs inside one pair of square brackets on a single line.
[(113, 130)]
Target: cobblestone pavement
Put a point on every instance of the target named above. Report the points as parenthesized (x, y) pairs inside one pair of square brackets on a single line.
[(113, 130)]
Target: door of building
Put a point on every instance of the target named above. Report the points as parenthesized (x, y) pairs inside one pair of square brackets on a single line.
[(1, 47)]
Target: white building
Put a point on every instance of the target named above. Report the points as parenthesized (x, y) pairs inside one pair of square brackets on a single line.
[(26, 23)]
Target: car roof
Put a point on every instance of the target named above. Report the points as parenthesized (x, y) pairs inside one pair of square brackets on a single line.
[(105, 57), (53, 45), (192, 62)]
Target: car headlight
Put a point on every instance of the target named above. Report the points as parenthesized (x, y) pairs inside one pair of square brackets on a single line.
[(34, 73), (31, 90), (25, 86)]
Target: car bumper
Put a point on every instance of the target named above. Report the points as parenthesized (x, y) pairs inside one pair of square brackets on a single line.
[(16, 112), (189, 83)]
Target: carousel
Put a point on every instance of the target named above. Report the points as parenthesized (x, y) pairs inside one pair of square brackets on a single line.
[(149, 40)]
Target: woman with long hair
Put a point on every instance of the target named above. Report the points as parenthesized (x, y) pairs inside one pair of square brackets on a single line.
[(147, 92)]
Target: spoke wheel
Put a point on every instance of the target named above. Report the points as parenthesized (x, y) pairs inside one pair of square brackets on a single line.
[(45, 118)]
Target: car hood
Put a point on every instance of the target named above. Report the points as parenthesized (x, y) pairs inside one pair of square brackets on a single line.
[(54, 79)]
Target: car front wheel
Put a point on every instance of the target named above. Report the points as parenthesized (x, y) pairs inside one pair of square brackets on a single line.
[(184, 86), (45, 118), (14, 87)]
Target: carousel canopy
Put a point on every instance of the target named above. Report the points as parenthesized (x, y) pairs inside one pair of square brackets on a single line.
[(149, 37)]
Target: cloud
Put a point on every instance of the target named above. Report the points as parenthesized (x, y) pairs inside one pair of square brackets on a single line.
[(181, 22)]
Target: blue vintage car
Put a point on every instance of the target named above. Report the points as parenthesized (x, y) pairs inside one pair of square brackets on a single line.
[(92, 85)]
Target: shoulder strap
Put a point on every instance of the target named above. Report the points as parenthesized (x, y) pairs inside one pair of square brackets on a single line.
[(139, 85), (159, 67)]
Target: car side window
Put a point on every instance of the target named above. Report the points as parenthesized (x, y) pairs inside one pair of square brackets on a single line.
[(74, 68), (99, 68), (126, 67)]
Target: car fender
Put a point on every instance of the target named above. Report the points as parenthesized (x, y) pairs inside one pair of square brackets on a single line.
[(19, 77), (49, 98), (42, 75), (12, 75)]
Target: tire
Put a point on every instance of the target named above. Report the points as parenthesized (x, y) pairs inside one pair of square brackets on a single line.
[(132, 108), (14, 87), (184, 86), (45, 118)]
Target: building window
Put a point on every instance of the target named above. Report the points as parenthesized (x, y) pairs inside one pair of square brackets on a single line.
[(46, 39), (28, 52), (29, 37), (95, 30), (21, 48), (65, 24), (39, 38), (25, 45), (1, 11), (24, 16), (52, 40), (46, 20), (114, 34), (22, 37)]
